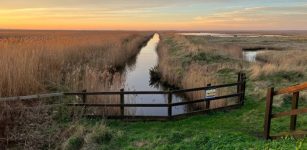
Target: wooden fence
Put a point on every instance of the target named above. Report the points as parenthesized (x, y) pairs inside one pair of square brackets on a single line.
[(240, 94), (294, 90)]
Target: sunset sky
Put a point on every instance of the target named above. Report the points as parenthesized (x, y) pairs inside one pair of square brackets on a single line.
[(154, 15)]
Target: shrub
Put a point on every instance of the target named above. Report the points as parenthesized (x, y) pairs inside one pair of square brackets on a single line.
[(101, 134), (74, 143)]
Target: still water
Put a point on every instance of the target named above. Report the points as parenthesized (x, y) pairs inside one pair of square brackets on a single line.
[(231, 35), (138, 79), (250, 56)]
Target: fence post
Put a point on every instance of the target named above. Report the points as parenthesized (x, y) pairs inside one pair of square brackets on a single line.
[(207, 101), (84, 100), (170, 102), (294, 106), (268, 113), (239, 87), (243, 78), (122, 102)]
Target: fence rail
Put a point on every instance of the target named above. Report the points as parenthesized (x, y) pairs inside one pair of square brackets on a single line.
[(240, 93), (294, 90), (240, 84), (30, 97)]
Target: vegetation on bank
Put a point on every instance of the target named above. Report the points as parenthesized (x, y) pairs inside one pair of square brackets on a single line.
[(45, 61), (34, 62), (233, 129), (186, 65), (183, 63)]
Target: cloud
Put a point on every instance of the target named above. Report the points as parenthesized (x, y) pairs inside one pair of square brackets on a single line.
[(109, 4), (179, 14), (255, 14), (286, 17)]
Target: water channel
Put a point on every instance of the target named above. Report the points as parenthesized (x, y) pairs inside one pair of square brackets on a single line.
[(138, 79)]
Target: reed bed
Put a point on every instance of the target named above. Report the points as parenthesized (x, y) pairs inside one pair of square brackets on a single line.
[(33, 62), (185, 64), (281, 61), (39, 61), (273, 62)]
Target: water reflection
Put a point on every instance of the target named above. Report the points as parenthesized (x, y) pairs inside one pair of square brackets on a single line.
[(231, 35), (138, 79), (250, 56)]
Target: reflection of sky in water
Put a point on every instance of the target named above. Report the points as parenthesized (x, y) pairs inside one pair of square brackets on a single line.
[(250, 55), (138, 79), (231, 35)]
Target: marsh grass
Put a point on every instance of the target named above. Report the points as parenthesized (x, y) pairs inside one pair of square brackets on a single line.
[(186, 64), (33, 62), (288, 65), (38, 61), (34, 124), (86, 135)]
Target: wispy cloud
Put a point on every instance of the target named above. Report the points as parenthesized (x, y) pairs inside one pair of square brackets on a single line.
[(158, 14), (255, 18), (256, 14)]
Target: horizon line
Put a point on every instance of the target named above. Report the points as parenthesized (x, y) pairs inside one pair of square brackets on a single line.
[(153, 30)]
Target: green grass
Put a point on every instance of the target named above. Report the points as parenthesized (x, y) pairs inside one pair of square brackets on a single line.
[(74, 143), (233, 129), (284, 76)]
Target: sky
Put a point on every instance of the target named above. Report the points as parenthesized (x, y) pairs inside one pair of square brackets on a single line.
[(154, 14)]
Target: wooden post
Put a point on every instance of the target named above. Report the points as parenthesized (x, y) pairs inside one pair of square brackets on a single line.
[(122, 102), (170, 102), (84, 100), (208, 101), (243, 89), (239, 87), (268, 113), (295, 98)]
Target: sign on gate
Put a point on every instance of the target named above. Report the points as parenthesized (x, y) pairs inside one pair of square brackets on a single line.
[(210, 93)]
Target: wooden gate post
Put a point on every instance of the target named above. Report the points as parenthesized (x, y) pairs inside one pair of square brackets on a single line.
[(239, 87), (84, 100), (243, 89), (208, 101), (170, 102), (122, 103), (294, 106), (268, 113)]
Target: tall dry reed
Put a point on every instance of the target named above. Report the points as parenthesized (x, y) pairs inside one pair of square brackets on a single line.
[(34, 62), (39, 61), (279, 61), (185, 64)]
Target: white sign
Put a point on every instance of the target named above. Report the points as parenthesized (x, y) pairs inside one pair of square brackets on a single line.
[(210, 93)]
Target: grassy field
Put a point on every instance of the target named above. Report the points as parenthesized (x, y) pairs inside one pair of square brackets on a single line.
[(235, 129)]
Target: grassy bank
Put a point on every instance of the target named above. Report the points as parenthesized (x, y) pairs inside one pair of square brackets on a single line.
[(185, 64), (235, 129)]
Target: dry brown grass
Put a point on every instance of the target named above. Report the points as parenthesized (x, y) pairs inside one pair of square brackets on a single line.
[(279, 61), (34, 62), (38, 61), (177, 68)]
